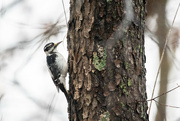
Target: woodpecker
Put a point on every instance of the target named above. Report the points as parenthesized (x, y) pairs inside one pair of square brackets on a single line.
[(57, 66)]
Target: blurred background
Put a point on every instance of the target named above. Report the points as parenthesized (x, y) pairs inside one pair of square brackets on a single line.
[(26, 89)]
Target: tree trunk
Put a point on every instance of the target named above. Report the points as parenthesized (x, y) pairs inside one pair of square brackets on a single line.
[(106, 60), (161, 34)]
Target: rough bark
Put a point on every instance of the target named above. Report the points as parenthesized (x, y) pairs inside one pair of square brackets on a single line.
[(106, 60)]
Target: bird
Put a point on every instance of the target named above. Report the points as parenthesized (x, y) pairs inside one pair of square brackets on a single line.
[(57, 66)]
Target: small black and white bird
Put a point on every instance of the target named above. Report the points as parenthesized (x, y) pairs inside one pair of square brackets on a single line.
[(57, 66)]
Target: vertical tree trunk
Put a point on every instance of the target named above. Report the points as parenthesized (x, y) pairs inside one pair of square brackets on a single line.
[(160, 34), (106, 60)]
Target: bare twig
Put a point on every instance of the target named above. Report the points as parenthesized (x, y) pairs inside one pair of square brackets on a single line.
[(163, 93), (1, 96), (10, 6), (151, 35), (50, 107), (165, 45), (165, 104), (64, 13)]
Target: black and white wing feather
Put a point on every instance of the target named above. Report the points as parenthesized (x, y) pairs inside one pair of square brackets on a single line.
[(53, 69)]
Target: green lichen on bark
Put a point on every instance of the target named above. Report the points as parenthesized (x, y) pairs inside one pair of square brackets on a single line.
[(99, 63), (109, 0), (105, 116), (124, 88), (126, 65), (111, 47), (129, 82)]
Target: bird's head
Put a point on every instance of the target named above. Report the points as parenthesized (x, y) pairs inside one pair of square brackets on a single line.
[(51, 47)]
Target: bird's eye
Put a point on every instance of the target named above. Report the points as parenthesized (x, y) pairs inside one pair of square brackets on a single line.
[(48, 46)]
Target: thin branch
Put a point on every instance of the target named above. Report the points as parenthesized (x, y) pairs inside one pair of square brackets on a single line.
[(165, 45), (1, 96), (10, 6), (160, 94), (168, 48), (50, 107), (64, 13), (164, 93), (165, 104)]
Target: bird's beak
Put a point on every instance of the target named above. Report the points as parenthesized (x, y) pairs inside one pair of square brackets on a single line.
[(55, 45)]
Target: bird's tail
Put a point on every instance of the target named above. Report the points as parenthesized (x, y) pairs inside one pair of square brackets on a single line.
[(62, 87)]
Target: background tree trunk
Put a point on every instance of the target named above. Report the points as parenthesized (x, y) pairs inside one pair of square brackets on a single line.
[(106, 60), (161, 34)]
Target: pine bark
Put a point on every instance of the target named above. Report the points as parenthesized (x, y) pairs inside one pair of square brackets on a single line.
[(106, 60)]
